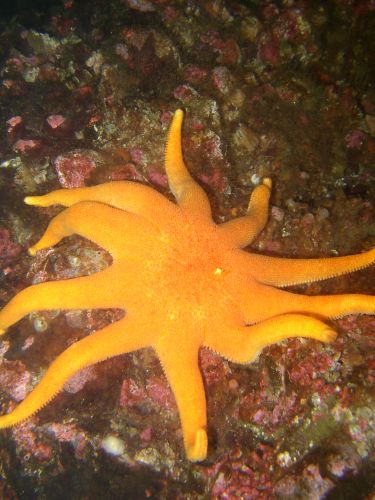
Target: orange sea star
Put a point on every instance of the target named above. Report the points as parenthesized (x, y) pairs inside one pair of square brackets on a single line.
[(184, 283)]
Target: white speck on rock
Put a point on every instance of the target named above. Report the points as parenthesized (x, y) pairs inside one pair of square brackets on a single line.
[(113, 445)]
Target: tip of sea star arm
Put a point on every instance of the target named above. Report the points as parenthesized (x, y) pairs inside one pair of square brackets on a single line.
[(39, 245), (198, 451), (29, 200), (33, 200), (178, 114), (267, 181), (328, 335), (32, 251), (57, 197)]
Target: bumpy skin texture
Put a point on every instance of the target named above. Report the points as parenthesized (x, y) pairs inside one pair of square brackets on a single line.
[(184, 283)]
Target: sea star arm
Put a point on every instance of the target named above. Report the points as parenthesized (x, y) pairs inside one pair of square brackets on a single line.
[(272, 302), (116, 338), (129, 196), (243, 230), (183, 375), (105, 225), (188, 193), (243, 344), (99, 290), (284, 272)]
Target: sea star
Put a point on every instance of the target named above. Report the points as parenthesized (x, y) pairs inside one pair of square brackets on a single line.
[(184, 282)]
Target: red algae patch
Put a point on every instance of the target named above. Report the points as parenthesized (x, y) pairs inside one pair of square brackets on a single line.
[(74, 168), (8, 248), (58, 126), (14, 379), (27, 146)]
